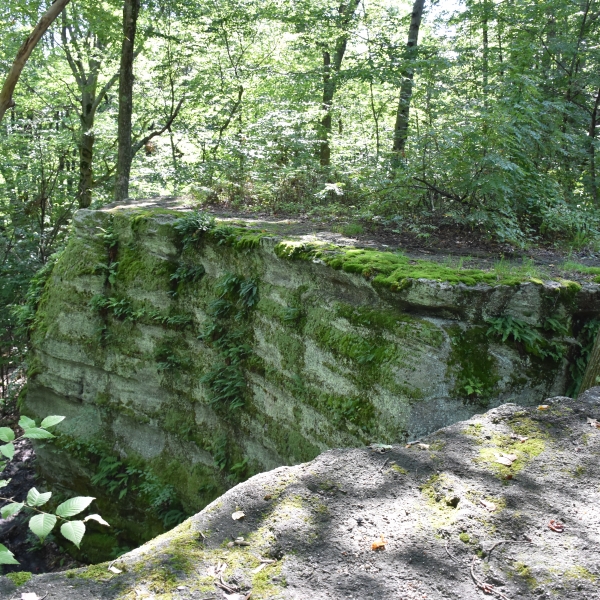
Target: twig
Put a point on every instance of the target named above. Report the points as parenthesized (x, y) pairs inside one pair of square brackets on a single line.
[(485, 587), (505, 542), (385, 462), (450, 555)]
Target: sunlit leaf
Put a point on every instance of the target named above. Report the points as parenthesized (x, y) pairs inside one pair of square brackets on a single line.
[(73, 506), (11, 509), (35, 433), (7, 557), (6, 434), (51, 421), (26, 423), (35, 498), (42, 525), (8, 450), (73, 531), (96, 518)]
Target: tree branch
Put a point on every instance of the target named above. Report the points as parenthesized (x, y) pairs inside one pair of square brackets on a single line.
[(6, 95), (138, 145)]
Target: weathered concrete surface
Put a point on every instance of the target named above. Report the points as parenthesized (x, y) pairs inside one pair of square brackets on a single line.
[(453, 519), (204, 364)]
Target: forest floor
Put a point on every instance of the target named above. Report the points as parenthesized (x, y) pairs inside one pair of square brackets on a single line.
[(501, 506), (453, 246)]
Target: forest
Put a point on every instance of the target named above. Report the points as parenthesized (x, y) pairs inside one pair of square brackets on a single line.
[(480, 115)]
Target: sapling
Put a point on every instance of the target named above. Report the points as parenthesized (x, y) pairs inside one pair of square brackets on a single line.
[(41, 523)]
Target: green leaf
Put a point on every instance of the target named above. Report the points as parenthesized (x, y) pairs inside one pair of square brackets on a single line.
[(73, 531), (4, 482), (8, 450), (34, 498), (51, 421), (26, 423), (96, 518), (42, 525), (73, 506), (7, 557), (6, 434), (35, 433), (11, 509)]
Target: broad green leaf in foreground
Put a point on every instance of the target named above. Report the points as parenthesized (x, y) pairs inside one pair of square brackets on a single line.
[(42, 525), (96, 518), (26, 423), (35, 433), (6, 434), (51, 421), (34, 498), (8, 450), (4, 482), (11, 509), (74, 506), (7, 557), (73, 531)]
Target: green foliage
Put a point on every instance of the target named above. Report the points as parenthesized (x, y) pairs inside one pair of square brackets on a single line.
[(534, 342), (19, 578), (226, 331), (42, 523), (192, 228)]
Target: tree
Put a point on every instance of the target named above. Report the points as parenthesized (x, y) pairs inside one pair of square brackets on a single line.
[(331, 71), (83, 46), (131, 9), (406, 89), (6, 95)]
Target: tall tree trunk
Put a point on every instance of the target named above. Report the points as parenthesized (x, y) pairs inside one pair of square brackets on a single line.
[(592, 149), (406, 89), (486, 47), (125, 154), (6, 100), (331, 69), (591, 377)]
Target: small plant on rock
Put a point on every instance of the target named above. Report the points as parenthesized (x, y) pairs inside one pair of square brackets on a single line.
[(41, 523)]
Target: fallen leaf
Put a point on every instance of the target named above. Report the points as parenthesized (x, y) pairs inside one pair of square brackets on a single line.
[(503, 460), (593, 423), (114, 570), (237, 596), (543, 407), (423, 446), (488, 505), (556, 526), (521, 438), (237, 515), (29, 596), (379, 544)]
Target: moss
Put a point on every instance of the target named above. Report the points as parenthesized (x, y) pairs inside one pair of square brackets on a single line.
[(579, 572), (464, 537), (437, 491), (525, 451), (19, 578), (524, 572), (470, 363), (95, 572), (398, 469)]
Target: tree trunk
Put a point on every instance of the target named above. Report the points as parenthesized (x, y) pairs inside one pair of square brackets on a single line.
[(331, 71), (24, 53), (591, 377), (403, 112), (592, 149), (131, 11)]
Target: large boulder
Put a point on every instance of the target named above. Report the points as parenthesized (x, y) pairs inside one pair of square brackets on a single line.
[(504, 504)]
